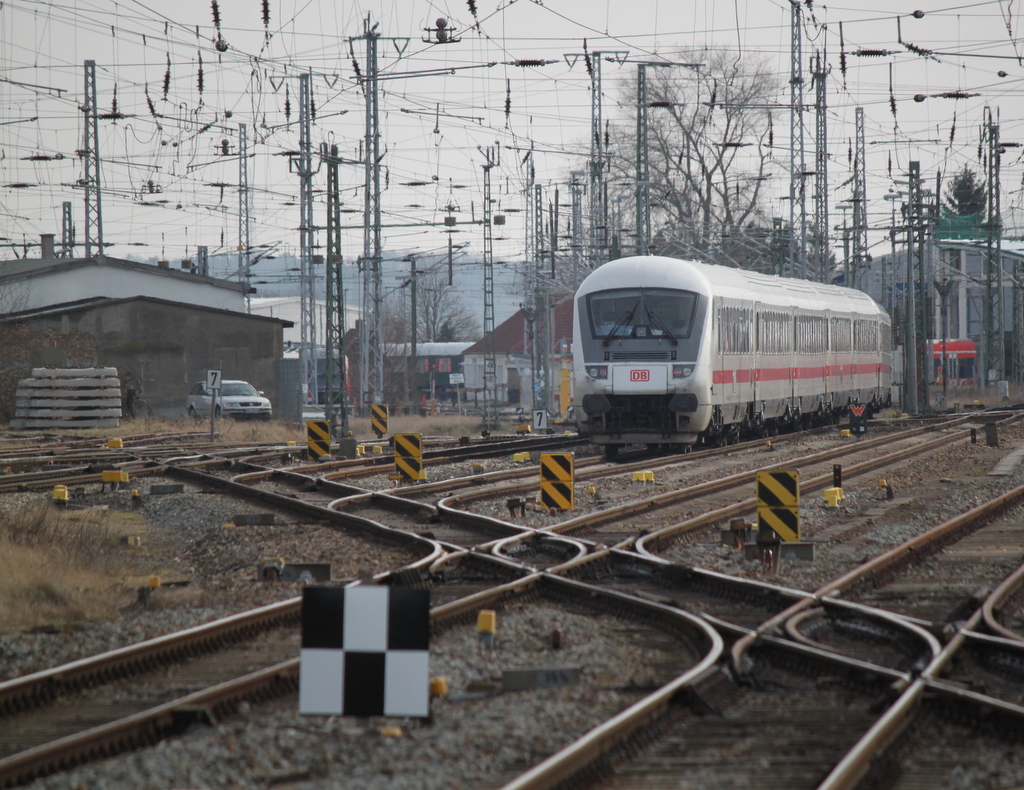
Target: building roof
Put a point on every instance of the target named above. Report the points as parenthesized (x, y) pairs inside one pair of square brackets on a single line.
[(510, 336), (26, 268), (82, 305), (427, 349)]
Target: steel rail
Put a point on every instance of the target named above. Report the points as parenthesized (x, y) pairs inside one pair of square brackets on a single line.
[(654, 541), (888, 561), (150, 726), (590, 521), (1008, 589), (849, 771)]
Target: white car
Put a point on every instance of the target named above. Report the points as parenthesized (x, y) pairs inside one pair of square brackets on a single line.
[(236, 399)]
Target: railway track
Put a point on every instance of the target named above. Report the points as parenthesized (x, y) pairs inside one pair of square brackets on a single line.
[(818, 666)]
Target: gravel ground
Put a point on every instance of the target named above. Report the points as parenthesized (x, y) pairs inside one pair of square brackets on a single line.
[(183, 539), (928, 490), (619, 488), (472, 738)]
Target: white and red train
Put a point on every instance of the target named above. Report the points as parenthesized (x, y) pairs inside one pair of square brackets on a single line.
[(672, 352)]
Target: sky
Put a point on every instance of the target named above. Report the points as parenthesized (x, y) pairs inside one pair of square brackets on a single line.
[(168, 185)]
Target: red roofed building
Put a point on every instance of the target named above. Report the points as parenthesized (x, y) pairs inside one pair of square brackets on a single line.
[(512, 344)]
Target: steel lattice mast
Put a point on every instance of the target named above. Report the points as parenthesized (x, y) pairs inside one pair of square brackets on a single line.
[(371, 348), (821, 230), (335, 403), (643, 168), (490, 359), (244, 212), (310, 384), (860, 204), (797, 166), (91, 157)]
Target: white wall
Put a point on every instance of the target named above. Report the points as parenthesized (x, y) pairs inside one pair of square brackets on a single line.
[(113, 281)]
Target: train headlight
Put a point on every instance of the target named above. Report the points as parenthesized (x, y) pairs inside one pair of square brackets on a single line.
[(597, 371), (681, 371)]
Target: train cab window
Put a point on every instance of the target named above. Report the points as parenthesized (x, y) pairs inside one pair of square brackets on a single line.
[(641, 313)]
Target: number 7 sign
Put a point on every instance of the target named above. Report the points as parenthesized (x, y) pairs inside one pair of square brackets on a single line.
[(213, 379)]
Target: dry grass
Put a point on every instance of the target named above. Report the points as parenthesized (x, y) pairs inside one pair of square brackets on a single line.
[(58, 568)]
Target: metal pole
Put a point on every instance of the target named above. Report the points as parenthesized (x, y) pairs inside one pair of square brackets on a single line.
[(91, 159), (821, 222), (490, 359), (371, 368), (860, 204), (797, 259), (413, 319), (336, 402), (244, 213), (910, 345), (577, 228), (643, 172), (310, 385)]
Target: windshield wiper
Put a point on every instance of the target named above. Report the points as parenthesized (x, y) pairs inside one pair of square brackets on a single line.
[(661, 325), (622, 322)]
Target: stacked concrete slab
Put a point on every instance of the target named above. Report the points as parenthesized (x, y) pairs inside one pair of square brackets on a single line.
[(68, 398)]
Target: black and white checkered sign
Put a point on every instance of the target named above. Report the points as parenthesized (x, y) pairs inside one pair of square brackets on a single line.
[(365, 651)]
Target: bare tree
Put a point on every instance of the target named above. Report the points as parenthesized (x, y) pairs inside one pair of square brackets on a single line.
[(709, 150), (443, 316)]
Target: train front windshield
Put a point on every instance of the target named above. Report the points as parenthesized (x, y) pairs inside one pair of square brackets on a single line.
[(641, 313)]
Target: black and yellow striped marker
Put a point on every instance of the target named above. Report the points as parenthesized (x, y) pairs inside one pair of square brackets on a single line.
[(409, 456), (557, 478), (318, 439), (379, 418), (778, 503)]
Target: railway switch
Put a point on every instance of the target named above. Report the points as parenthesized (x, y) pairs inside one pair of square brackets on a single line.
[(115, 444), (520, 458), (643, 477)]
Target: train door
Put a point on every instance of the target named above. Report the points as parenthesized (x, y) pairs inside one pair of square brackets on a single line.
[(829, 372), (756, 329)]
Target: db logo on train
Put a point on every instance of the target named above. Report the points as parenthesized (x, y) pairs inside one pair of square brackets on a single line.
[(639, 375)]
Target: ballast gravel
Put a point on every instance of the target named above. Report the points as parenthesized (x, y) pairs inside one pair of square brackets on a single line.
[(473, 741), (184, 539)]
